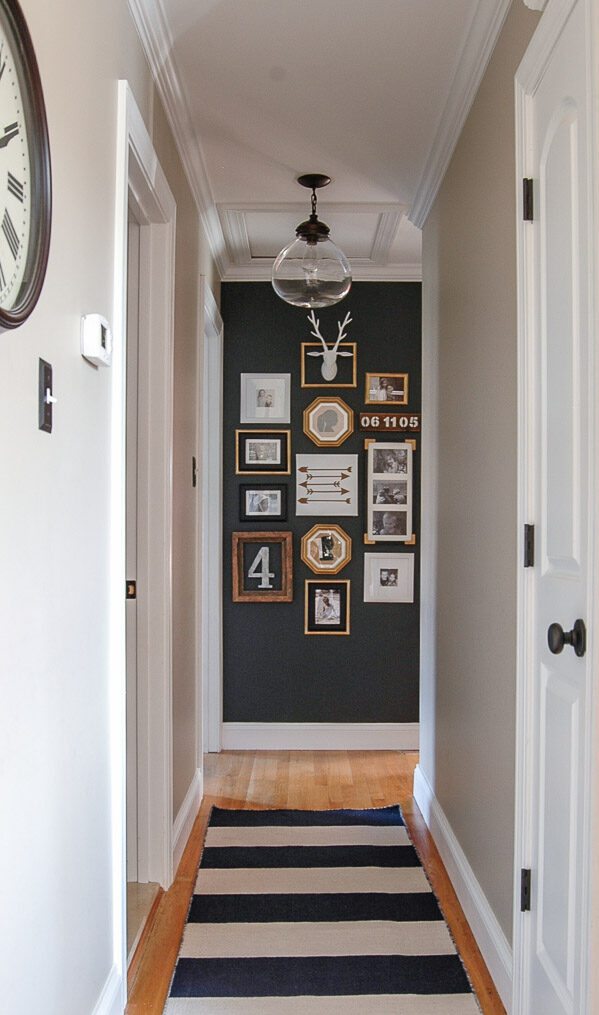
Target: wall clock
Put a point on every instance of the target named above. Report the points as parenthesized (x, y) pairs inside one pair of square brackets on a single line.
[(25, 180)]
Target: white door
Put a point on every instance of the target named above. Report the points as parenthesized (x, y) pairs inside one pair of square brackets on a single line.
[(557, 477)]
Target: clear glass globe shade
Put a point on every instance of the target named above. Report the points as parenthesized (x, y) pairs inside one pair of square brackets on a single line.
[(311, 275)]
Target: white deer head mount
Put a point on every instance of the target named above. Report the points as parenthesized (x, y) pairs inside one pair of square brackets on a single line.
[(329, 353)]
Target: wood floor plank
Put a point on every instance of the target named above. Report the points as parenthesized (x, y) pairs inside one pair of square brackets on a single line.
[(318, 780)]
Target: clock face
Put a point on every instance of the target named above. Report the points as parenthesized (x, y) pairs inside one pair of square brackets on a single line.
[(24, 171)]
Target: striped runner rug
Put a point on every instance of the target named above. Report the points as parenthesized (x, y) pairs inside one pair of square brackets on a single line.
[(315, 913)]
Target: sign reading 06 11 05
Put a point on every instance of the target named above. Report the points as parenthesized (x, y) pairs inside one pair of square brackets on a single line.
[(25, 179)]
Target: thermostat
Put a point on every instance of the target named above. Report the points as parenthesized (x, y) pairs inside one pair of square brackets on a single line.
[(96, 340)]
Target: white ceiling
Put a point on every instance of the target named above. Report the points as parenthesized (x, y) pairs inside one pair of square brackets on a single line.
[(371, 92)]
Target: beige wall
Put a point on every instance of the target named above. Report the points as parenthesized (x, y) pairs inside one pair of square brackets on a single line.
[(470, 536)]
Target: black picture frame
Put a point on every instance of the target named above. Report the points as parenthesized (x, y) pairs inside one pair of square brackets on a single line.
[(327, 606), (258, 502), (277, 452)]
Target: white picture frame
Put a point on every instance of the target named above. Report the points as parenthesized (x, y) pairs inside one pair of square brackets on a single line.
[(389, 492), (326, 485), (388, 577), (265, 398)]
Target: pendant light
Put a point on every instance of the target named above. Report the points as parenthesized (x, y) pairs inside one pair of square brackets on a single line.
[(311, 271)]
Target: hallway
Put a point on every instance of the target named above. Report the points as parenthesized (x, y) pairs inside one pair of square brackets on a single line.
[(304, 780)]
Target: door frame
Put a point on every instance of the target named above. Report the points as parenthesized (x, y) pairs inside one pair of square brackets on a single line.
[(528, 76), (210, 533), (141, 183)]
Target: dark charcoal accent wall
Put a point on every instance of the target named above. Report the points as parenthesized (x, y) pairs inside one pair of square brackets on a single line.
[(272, 671)]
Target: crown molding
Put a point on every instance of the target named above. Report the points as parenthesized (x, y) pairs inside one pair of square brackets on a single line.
[(260, 270), (471, 65), (152, 27)]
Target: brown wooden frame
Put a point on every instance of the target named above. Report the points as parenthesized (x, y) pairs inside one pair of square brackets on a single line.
[(241, 594)]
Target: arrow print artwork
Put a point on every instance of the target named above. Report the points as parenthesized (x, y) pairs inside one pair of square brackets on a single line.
[(327, 484)]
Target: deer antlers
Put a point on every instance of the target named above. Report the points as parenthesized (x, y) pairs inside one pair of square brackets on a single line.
[(329, 354)]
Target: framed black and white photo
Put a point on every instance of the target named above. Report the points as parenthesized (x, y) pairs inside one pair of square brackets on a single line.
[(258, 502), (328, 421), (326, 607), (264, 451), (262, 567), (265, 398), (388, 577), (391, 389), (326, 549), (389, 491), (326, 484)]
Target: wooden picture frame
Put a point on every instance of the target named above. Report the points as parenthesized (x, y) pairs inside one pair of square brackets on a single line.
[(265, 452), (327, 606), (259, 502), (326, 549), (386, 389), (265, 398), (262, 567), (328, 421), (389, 491)]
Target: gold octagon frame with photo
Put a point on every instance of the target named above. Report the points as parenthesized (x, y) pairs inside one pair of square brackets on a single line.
[(326, 549), (328, 421)]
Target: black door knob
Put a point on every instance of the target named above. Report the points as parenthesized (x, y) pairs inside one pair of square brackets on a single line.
[(577, 638)]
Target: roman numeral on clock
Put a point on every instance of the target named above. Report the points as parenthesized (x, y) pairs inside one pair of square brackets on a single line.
[(15, 188), (2, 278), (11, 234)]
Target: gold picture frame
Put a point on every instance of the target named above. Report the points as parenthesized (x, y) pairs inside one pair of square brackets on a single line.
[(386, 389), (327, 606), (326, 549), (310, 372), (252, 572), (328, 421)]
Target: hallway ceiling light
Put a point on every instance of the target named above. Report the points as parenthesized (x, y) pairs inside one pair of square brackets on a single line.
[(312, 271)]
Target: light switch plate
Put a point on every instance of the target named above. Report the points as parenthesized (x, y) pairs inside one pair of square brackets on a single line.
[(45, 407)]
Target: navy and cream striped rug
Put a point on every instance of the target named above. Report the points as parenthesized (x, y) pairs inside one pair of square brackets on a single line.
[(315, 913)]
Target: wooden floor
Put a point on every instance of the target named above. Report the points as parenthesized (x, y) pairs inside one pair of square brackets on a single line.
[(315, 780)]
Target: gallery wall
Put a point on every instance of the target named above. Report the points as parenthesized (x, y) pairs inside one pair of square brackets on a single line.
[(273, 671)]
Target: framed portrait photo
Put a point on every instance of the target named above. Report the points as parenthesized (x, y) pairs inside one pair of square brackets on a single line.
[(326, 549), (328, 421), (259, 501), (265, 398), (262, 451), (389, 491), (389, 389), (262, 567), (388, 577), (326, 606)]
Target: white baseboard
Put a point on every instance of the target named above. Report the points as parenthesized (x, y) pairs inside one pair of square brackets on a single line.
[(491, 940), (317, 736), (113, 997), (188, 812)]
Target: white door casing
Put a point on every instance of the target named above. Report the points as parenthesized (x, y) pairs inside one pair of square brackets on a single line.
[(141, 185), (558, 488), (209, 542)]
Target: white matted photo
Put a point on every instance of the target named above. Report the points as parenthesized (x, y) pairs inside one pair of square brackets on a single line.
[(388, 577), (265, 398), (326, 484)]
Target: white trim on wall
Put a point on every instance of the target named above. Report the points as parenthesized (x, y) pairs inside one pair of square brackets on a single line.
[(319, 736), (109, 1001), (186, 816), (489, 936), (211, 537)]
